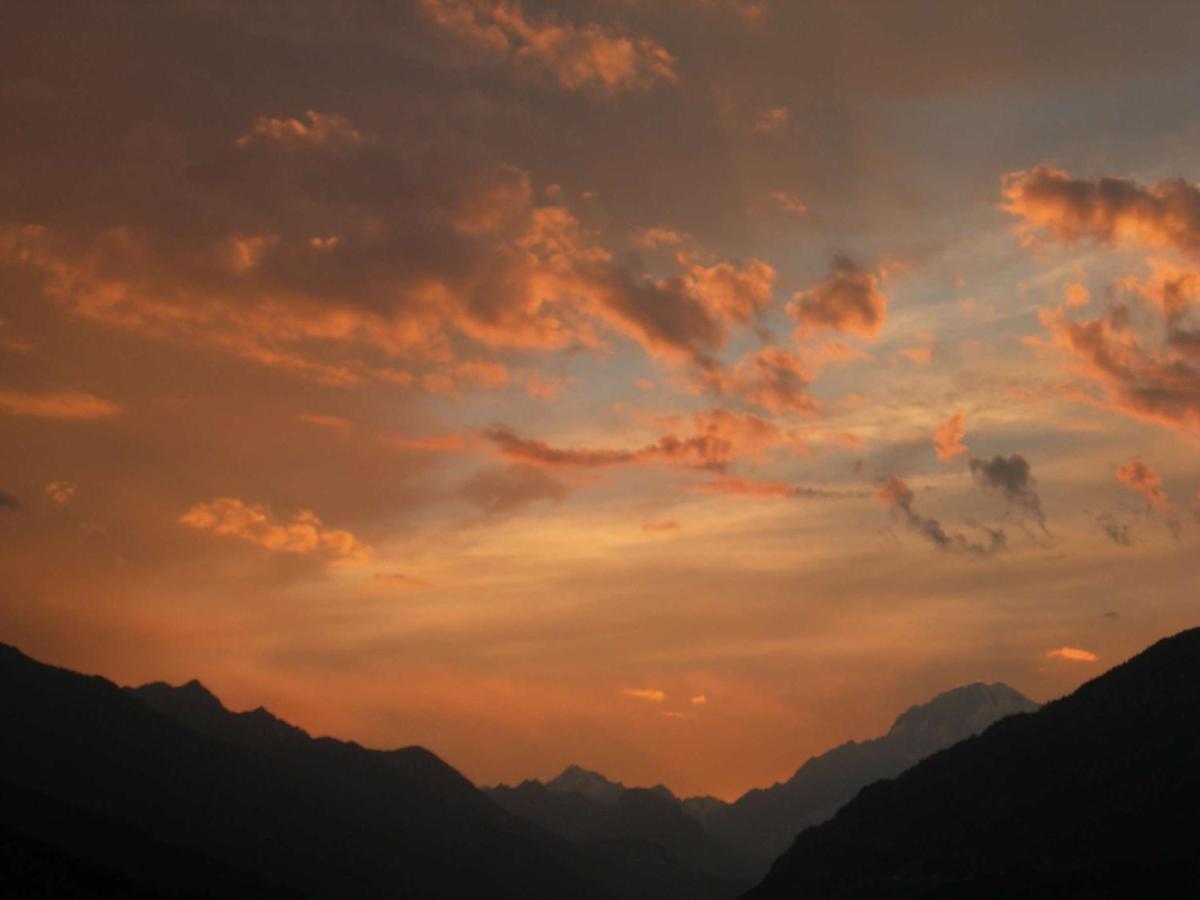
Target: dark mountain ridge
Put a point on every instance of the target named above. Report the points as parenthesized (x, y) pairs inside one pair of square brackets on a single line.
[(1094, 795), (258, 795), (762, 823)]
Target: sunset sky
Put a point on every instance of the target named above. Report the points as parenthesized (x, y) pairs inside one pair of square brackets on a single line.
[(676, 388)]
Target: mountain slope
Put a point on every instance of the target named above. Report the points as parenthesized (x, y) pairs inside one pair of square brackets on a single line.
[(762, 823), (1095, 795), (664, 850), (330, 817)]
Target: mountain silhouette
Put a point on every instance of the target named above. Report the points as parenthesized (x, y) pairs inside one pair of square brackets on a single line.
[(326, 818), (763, 822), (1094, 795), (664, 851)]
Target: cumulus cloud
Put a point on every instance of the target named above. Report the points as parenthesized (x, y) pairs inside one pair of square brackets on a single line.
[(896, 493), (1144, 480), (774, 379), (850, 301), (254, 523), (1013, 478), (1072, 654), (653, 695), (61, 492), (505, 490), (948, 439), (64, 406), (1110, 210), (717, 436), (578, 57)]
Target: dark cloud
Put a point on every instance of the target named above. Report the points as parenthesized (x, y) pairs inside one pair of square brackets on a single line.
[(8, 503), (717, 437), (1115, 530), (505, 490), (1012, 477), (896, 493)]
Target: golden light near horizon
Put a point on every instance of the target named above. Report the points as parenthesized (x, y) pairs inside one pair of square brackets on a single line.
[(679, 389)]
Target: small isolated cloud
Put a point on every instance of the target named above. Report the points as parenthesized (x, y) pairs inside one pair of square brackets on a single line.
[(335, 422), (668, 525), (896, 493), (849, 301), (1142, 479), (1072, 654), (61, 492), (399, 579), (1013, 478), (505, 490), (303, 534), (948, 439), (65, 406), (772, 120), (8, 502), (652, 695), (789, 203), (699, 700), (1115, 530), (921, 355), (315, 130), (435, 443)]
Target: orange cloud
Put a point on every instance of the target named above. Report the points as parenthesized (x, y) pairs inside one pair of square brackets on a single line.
[(65, 406), (336, 422), (789, 203), (1156, 383), (1109, 210), (1142, 479), (587, 57), (922, 356), (655, 527), (653, 695), (771, 120), (699, 700), (948, 439), (774, 379), (850, 301), (253, 523), (438, 443), (1072, 654), (1076, 295), (318, 130), (61, 492)]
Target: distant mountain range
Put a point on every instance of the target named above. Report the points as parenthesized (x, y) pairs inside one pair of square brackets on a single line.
[(740, 840), (161, 792), (1094, 795)]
